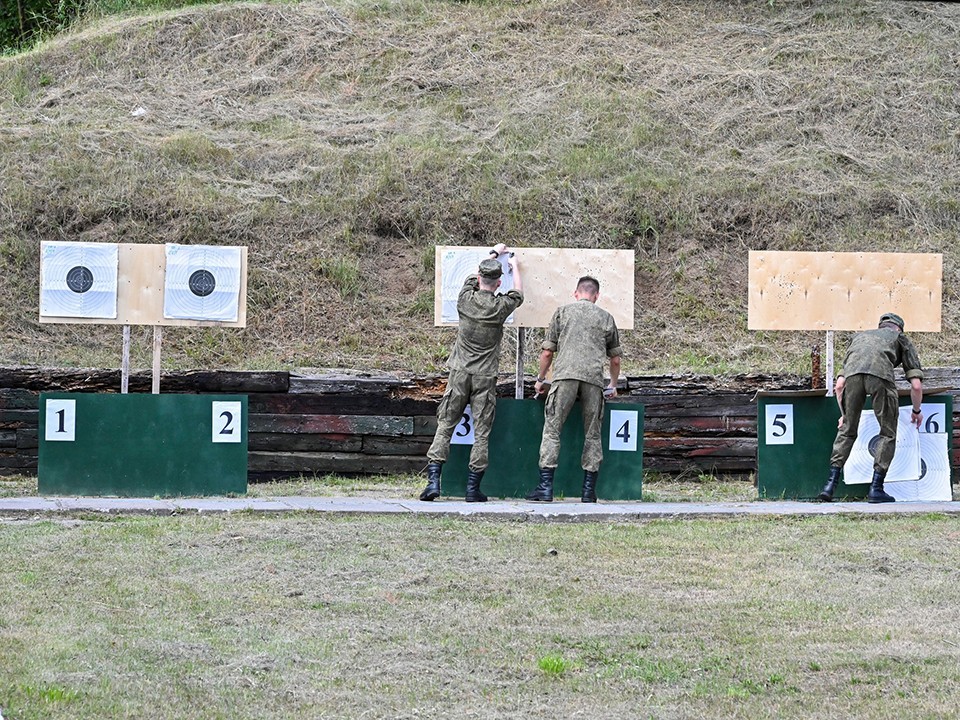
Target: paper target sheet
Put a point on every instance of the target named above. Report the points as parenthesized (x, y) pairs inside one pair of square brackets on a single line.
[(202, 282), (934, 482), (906, 460), (78, 280), (457, 264)]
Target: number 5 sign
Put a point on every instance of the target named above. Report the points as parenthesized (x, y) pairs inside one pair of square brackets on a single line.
[(779, 424)]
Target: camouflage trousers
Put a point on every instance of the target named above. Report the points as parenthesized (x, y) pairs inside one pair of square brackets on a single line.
[(563, 394), (480, 392), (886, 407)]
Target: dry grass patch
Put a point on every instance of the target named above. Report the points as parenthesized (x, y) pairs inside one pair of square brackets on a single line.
[(313, 616)]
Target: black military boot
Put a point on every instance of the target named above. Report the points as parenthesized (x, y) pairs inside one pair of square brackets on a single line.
[(432, 490), (473, 487), (544, 491), (876, 493), (589, 494), (826, 495)]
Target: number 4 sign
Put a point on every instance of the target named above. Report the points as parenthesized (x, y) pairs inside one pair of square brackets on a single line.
[(624, 430)]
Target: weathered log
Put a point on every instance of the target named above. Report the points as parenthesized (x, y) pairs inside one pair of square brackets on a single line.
[(331, 424), (727, 425), (18, 418), (304, 442), (425, 425), (698, 447), (95, 380), (18, 461), (709, 464), (343, 384), (316, 463), (338, 404), (18, 399), (28, 438), (396, 446)]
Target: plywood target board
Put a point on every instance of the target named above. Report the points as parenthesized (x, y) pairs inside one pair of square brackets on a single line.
[(843, 291), (549, 279), (144, 284)]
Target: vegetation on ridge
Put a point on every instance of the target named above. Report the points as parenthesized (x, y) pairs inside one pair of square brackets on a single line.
[(341, 141)]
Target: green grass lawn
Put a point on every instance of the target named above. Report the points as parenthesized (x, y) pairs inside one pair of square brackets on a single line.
[(313, 616)]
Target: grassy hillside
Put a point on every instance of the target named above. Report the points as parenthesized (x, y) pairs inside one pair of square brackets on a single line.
[(342, 140)]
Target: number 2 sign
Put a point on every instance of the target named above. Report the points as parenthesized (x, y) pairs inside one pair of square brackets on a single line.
[(226, 422)]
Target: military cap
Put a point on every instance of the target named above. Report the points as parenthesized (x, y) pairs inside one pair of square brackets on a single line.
[(491, 269), (891, 317)]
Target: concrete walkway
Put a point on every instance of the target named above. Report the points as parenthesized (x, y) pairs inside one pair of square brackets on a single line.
[(495, 509)]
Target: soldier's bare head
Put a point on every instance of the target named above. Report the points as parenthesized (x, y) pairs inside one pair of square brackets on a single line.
[(588, 288)]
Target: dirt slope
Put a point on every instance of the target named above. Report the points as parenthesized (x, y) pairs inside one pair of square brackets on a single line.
[(342, 140)]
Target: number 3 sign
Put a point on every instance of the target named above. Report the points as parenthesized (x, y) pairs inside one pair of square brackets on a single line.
[(463, 432)]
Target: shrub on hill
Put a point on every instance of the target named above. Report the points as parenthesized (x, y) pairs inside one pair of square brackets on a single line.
[(23, 21)]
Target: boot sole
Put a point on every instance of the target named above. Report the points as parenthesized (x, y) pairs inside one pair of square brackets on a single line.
[(430, 497)]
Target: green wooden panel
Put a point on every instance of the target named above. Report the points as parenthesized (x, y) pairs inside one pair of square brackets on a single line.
[(799, 470), (515, 451), (142, 445)]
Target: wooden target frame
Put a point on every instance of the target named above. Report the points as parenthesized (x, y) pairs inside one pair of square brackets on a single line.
[(141, 275), (549, 280), (844, 291)]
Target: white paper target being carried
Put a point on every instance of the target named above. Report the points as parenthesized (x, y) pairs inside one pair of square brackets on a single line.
[(906, 459), (202, 283), (78, 280)]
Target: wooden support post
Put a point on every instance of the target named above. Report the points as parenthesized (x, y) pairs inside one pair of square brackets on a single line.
[(518, 389), (829, 365), (157, 339), (125, 362)]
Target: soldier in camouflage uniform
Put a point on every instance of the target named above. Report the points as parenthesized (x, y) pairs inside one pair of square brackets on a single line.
[(868, 370), (580, 338), (474, 365)]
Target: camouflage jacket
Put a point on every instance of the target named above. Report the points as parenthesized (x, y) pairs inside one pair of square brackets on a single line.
[(878, 352), (583, 336), (482, 314)]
